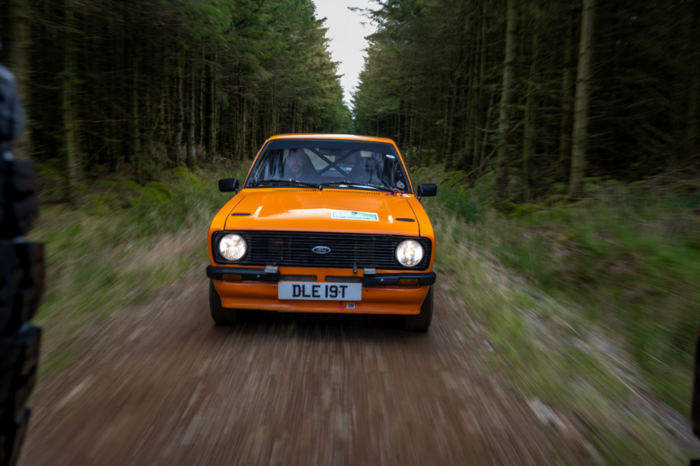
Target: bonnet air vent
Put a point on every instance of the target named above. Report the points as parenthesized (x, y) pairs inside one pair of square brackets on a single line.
[(354, 192), (303, 189), (330, 190)]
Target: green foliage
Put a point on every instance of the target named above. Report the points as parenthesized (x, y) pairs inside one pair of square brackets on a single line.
[(522, 210), (433, 77), (630, 258), (546, 341), (106, 255), (215, 76), (460, 203)]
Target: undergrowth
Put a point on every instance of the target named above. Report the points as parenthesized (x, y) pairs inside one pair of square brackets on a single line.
[(626, 260), (549, 351), (120, 242), (629, 256)]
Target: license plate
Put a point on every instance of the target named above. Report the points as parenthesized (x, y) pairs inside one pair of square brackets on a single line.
[(320, 291)]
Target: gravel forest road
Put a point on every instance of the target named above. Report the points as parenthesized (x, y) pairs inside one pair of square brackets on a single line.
[(163, 385)]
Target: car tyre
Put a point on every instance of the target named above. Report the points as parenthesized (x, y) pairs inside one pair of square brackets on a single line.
[(220, 314), (421, 321)]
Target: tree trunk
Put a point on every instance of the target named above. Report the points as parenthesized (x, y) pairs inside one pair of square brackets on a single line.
[(566, 99), (191, 161), (530, 117), (135, 126), (162, 123), (506, 97), (202, 102), (114, 143), (447, 133), (479, 91), (449, 156), (294, 114), (693, 129), (211, 109), (180, 116), (583, 91), (466, 158), (67, 105), (243, 129), (254, 132), (487, 129)]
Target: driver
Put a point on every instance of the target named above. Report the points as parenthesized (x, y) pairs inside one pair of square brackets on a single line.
[(369, 170), (300, 168)]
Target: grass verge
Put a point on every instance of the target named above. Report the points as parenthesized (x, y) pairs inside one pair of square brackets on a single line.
[(121, 242), (554, 355), (592, 307)]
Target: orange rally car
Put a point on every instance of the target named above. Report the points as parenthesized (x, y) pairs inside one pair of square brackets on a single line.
[(323, 223)]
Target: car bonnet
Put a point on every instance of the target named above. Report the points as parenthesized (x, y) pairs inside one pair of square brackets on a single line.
[(330, 210)]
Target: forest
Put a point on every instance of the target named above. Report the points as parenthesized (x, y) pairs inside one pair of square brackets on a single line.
[(119, 85), (539, 91), (564, 137)]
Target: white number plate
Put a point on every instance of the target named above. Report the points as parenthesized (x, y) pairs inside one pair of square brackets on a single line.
[(320, 291)]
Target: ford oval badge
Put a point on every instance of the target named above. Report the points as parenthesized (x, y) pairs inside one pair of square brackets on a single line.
[(321, 249)]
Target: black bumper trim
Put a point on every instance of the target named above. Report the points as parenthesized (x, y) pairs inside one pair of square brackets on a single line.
[(392, 279), (379, 279), (257, 275)]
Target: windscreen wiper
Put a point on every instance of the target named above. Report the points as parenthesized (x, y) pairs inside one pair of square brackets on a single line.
[(361, 185), (311, 185)]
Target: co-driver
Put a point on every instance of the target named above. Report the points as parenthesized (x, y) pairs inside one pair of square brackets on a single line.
[(299, 168)]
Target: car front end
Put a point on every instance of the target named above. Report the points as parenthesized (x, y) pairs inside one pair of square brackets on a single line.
[(335, 247)]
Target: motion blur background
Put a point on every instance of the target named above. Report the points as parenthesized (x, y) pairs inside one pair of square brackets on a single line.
[(565, 137)]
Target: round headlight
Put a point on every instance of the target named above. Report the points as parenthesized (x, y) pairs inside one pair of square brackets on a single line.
[(409, 253), (233, 247)]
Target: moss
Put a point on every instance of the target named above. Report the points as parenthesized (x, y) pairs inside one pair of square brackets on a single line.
[(165, 191), (154, 193), (507, 206), (50, 168), (592, 189), (97, 204), (129, 186), (183, 174), (554, 199), (558, 188), (521, 210), (552, 215)]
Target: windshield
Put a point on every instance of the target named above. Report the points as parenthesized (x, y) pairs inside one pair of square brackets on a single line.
[(348, 167)]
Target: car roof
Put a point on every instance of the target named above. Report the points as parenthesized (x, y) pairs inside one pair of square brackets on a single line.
[(351, 137)]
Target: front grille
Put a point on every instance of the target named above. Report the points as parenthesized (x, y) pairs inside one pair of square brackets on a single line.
[(333, 279), (295, 249), (298, 278)]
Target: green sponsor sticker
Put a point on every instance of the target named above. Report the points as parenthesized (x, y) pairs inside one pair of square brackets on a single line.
[(352, 215)]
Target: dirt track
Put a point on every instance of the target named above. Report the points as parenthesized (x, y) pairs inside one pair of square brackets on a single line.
[(163, 385)]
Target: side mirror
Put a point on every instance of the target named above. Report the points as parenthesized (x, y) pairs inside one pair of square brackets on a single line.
[(427, 190), (228, 184)]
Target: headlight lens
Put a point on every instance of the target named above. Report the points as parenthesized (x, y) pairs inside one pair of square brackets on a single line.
[(409, 253), (233, 247)]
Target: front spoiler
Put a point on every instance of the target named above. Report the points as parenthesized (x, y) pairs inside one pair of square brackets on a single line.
[(369, 280), (392, 279), (247, 275)]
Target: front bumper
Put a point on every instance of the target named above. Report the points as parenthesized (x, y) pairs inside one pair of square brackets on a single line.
[(369, 280), (247, 275), (382, 293)]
